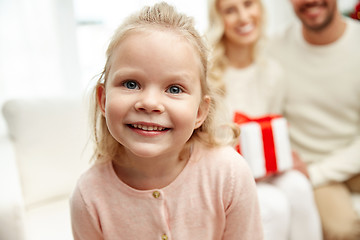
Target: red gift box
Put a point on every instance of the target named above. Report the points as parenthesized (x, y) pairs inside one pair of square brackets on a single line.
[(264, 143), (356, 13)]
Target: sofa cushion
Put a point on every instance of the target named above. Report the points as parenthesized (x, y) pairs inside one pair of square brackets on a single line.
[(11, 201), (50, 221), (51, 144)]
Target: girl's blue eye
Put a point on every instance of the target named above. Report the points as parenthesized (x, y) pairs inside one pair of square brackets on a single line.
[(131, 84), (174, 90)]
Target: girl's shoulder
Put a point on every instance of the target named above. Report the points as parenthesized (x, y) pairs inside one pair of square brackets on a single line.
[(226, 172), (95, 178), (221, 153), (224, 160)]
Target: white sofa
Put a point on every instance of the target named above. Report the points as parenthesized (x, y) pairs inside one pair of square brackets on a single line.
[(46, 149)]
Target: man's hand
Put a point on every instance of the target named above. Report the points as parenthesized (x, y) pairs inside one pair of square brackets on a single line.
[(300, 165)]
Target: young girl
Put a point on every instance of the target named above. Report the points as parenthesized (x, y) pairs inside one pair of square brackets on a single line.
[(252, 83), (160, 172)]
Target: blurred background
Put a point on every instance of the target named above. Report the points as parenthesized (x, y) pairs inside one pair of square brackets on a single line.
[(57, 47)]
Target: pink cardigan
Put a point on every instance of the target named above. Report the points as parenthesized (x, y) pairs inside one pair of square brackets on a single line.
[(213, 198)]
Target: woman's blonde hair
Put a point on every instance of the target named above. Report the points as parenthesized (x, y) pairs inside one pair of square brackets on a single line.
[(160, 17), (215, 36)]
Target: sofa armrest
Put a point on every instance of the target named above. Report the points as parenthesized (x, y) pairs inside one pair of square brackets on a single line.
[(11, 202)]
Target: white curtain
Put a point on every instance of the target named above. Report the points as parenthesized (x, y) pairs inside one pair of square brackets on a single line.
[(38, 49)]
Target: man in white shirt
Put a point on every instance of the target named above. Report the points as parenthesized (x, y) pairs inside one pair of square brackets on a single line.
[(321, 58)]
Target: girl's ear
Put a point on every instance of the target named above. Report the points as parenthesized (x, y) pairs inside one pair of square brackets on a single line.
[(101, 97), (202, 111)]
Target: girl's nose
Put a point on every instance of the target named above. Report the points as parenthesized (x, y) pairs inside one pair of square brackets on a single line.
[(150, 102)]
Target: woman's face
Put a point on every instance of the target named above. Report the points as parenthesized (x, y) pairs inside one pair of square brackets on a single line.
[(242, 21)]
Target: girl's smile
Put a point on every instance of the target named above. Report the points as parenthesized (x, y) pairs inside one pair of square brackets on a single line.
[(148, 129)]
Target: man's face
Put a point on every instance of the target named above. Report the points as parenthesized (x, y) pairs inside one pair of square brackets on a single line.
[(315, 15)]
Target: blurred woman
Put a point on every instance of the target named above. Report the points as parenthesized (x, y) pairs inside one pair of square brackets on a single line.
[(253, 83)]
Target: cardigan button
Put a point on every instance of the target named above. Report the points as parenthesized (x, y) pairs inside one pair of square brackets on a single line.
[(156, 194)]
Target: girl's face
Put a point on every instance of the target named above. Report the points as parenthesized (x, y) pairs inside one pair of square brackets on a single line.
[(242, 21), (152, 99)]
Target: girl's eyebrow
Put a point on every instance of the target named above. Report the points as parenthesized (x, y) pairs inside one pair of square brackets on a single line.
[(124, 71), (183, 76)]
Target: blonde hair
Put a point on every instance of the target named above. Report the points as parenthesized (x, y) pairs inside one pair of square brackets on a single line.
[(215, 36), (160, 17)]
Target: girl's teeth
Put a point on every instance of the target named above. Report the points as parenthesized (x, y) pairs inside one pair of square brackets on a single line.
[(148, 128)]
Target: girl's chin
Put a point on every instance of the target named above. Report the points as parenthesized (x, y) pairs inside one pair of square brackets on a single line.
[(147, 152)]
